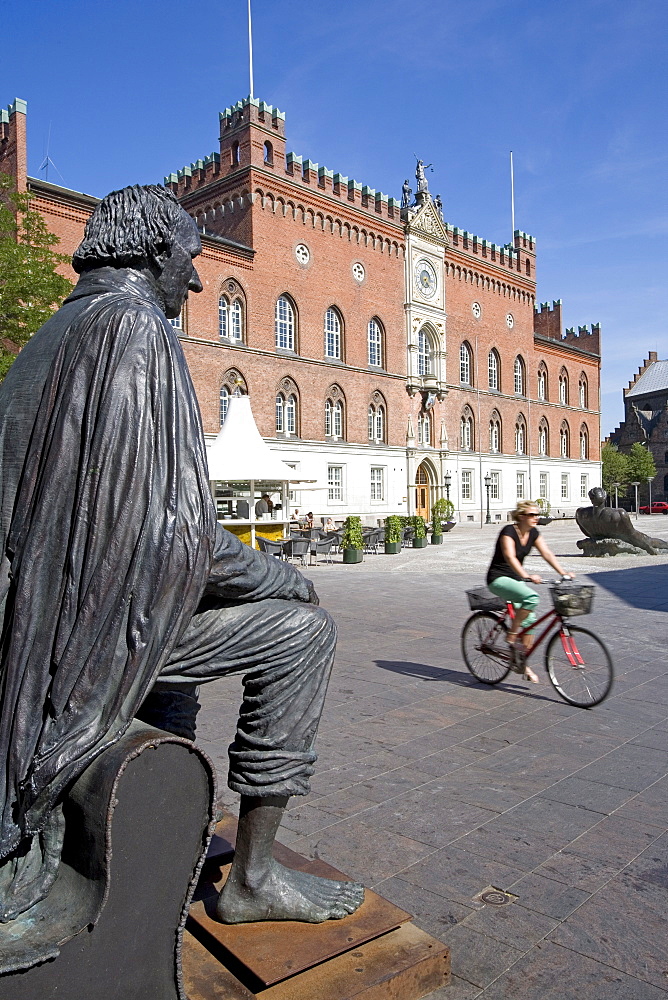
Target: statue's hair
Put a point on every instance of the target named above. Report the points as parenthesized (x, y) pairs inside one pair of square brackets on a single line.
[(522, 507), (129, 228)]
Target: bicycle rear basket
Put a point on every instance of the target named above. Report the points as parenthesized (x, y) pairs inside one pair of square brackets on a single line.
[(570, 600), (482, 599)]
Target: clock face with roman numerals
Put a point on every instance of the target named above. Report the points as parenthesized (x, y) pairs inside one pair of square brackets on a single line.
[(425, 278)]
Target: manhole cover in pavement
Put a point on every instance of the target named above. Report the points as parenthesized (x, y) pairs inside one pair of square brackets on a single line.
[(495, 897)]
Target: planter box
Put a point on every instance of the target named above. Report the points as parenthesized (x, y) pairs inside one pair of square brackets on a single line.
[(392, 548), (419, 543), (352, 555), (436, 539)]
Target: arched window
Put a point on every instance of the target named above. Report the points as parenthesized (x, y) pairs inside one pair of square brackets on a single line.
[(518, 375), (291, 415), (235, 154), (493, 370), (284, 324), (584, 442), (287, 408), (424, 430), (466, 430), (521, 436), (334, 413), (465, 366), (563, 386), (237, 320), (495, 433), (375, 342), (376, 419), (424, 353), (582, 392), (232, 382), (332, 334), (564, 443), (224, 403), (543, 437), (542, 383), (224, 316), (268, 154)]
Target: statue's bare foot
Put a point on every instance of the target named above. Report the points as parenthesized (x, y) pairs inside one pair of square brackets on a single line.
[(284, 894)]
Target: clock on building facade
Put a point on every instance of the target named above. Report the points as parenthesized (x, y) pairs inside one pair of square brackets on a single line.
[(425, 278)]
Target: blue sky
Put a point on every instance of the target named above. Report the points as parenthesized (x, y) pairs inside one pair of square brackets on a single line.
[(576, 88)]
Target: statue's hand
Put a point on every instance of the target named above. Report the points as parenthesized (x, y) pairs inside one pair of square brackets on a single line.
[(312, 596)]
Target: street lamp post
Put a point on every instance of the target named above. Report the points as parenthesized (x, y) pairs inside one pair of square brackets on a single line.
[(635, 486), (488, 483), (616, 485), (649, 485), (447, 479)]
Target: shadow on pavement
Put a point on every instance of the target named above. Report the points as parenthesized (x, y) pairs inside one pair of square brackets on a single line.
[(642, 587), (425, 672)]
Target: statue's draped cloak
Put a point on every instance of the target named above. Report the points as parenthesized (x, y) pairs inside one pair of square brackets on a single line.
[(108, 531)]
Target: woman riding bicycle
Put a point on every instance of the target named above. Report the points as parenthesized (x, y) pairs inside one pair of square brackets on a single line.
[(506, 576)]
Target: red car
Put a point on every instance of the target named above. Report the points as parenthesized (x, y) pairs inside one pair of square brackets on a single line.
[(658, 507)]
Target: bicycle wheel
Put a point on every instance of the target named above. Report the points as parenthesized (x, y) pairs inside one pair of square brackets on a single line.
[(579, 666), (484, 647)]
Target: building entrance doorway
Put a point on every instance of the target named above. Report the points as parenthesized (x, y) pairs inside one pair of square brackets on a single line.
[(422, 499)]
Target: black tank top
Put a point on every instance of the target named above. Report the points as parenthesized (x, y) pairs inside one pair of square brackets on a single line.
[(498, 566)]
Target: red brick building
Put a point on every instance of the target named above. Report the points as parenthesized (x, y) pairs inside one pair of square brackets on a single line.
[(384, 351), (646, 419)]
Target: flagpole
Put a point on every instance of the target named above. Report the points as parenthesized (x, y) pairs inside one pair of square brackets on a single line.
[(250, 48), (512, 197)]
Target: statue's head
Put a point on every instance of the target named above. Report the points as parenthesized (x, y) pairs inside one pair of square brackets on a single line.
[(144, 228), (597, 495)]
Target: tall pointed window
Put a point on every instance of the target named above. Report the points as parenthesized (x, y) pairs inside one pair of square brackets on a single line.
[(495, 433), (521, 436), (542, 383), (564, 442), (543, 437), (424, 353), (224, 316), (493, 367), (465, 364), (224, 403), (334, 413), (424, 430), (332, 334), (582, 392), (375, 343), (285, 324), (518, 374), (466, 430), (563, 386), (584, 442)]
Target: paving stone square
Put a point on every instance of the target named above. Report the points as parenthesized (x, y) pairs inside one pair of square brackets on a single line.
[(430, 787)]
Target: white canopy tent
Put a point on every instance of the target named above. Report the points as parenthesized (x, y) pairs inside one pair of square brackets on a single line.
[(239, 454)]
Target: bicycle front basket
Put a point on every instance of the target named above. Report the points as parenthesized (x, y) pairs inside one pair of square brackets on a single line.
[(570, 601), (482, 599)]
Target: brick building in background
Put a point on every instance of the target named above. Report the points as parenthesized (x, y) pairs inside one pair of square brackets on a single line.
[(384, 351), (646, 419)]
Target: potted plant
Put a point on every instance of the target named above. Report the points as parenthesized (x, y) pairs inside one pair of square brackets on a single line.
[(544, 506), (419, 526), (441, 512), (352, 541), (393, 534)]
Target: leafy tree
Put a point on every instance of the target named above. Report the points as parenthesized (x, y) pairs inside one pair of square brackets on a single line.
[(30, 287), (641, 463), (615, 470)]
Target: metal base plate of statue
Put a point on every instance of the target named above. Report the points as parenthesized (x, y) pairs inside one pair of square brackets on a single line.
[(112, 924), (373, 953), (611, 532)]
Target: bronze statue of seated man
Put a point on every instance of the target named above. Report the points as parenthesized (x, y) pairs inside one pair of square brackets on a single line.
[(118, 587)]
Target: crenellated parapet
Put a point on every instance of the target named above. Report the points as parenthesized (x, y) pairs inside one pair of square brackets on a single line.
[(547, 323), (314, 175), (516, 258)]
